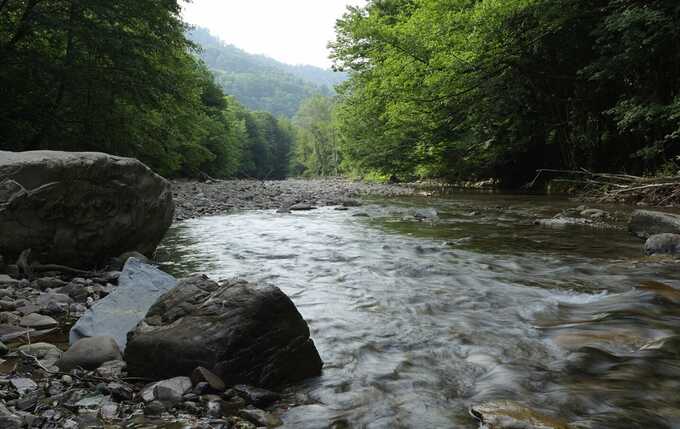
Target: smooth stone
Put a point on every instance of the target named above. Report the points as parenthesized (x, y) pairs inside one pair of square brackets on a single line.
[(90, 353), (35, 320), (48, 354), (44, 283), (645, 223), (663, 244), (139, 286), (301, 207), (171, 389)]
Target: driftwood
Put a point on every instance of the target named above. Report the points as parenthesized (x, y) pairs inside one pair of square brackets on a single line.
[(610, 187)]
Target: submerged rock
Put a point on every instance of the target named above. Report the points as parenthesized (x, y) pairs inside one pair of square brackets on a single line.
[(512, 415), (139, 285), (80, 208), (663, 244), (244, 332), (645, 223)]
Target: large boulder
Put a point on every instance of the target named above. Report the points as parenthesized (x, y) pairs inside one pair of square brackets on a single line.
[(244, 333), (80, 208), (139, 286), (645, 223)]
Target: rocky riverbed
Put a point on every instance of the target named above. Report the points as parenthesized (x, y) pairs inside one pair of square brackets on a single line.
[(45, 383), (214, 197)]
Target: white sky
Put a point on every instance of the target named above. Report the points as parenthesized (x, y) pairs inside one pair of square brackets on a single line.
[(292, 31)]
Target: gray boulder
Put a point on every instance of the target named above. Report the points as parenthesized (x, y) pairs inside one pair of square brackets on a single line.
[(139, 286), (663, 244), (80, 208), (90, 353), (242, 332), (645, 223)]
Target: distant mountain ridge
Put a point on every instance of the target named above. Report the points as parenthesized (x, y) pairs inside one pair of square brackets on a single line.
[(260, 82)]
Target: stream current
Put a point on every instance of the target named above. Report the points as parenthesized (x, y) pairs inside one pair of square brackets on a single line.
[(421, 308)]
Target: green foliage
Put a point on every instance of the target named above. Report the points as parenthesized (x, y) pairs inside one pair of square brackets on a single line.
[(120, 77), (316, 151), (488, 88), (261, 83)]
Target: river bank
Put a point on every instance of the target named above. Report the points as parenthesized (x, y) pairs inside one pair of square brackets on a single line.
[(214, 197)]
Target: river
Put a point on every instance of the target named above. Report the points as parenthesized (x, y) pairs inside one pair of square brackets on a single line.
[(419, 319)]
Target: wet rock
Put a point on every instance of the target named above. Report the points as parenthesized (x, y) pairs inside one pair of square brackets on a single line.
[(593, 213), (35, 320), (138, 288), (112, 369), (658, 244), (106, 205), (562, 221), (301, 207), (90, 353), (260, 418), (512, 415), (645, 223), (247, 333), (201, 374), (256, 395)]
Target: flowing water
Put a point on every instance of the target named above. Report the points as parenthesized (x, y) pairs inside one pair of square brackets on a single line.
[(419, 319)]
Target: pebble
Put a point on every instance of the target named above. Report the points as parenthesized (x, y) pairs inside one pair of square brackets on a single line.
[(35, 320)]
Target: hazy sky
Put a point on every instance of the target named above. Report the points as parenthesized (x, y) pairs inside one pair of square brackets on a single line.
[(292, 31)]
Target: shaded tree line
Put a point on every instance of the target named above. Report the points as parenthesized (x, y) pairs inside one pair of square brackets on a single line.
[(120, 77), (465, 89)]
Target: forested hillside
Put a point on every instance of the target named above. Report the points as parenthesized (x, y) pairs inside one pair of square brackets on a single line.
[(259, 82), (477, 89), (120, 77)]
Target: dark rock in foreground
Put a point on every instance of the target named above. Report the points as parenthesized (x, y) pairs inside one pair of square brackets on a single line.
[(139, 286), (645, 223), (243, 332), (80, 208)]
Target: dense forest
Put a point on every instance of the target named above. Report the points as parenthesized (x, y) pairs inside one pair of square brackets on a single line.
[(455, 89), (496, 89), (259, 82), (120, 77)]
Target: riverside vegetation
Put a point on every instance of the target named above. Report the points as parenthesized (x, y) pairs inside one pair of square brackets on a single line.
[(455, 90)]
